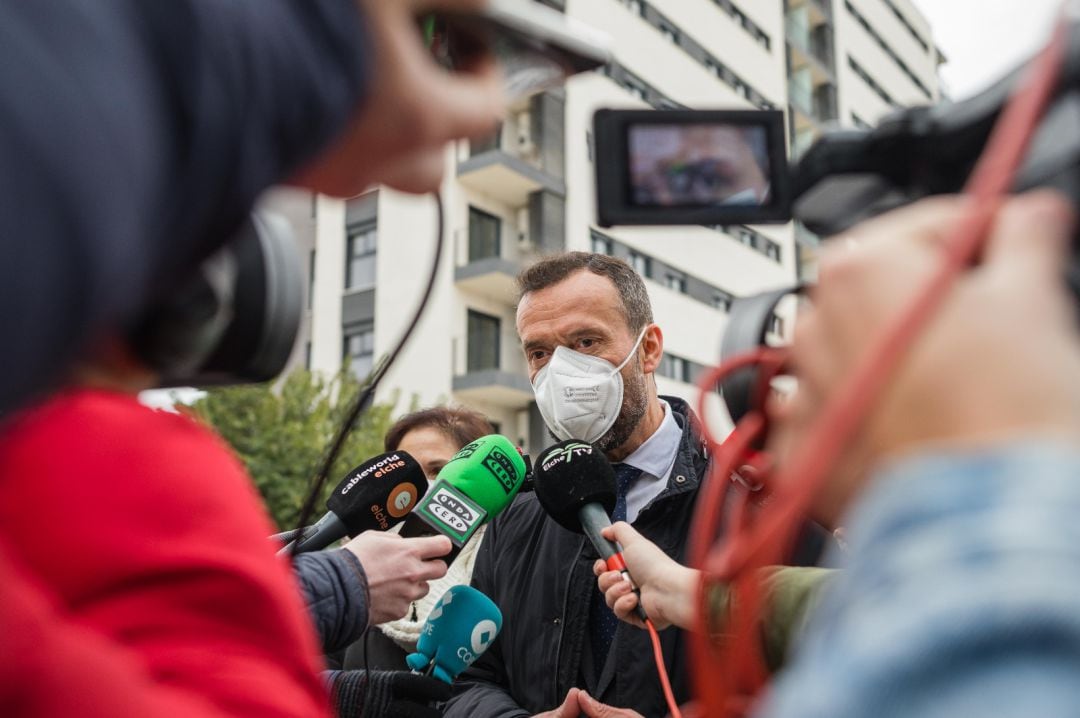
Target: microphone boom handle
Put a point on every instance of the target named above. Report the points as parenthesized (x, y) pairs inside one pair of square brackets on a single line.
[(593, 520)]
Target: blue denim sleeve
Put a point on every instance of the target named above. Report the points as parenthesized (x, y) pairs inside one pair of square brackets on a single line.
[(961, 598)]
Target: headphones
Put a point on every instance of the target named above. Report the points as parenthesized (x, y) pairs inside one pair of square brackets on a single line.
[(236, 318)]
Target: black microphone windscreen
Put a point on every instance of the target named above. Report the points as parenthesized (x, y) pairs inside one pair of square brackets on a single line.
[(378, 493), (570, 475)]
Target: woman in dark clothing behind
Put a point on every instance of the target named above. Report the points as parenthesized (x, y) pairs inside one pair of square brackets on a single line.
[(431, 436)]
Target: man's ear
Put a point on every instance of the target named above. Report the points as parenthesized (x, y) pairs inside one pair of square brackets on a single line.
[(651, 348)]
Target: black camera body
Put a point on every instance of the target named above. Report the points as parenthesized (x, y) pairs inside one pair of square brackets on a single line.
[(708, 167), (235, 318), (848, 176)]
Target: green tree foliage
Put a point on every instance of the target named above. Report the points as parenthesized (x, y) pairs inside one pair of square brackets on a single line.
[(281, 432)]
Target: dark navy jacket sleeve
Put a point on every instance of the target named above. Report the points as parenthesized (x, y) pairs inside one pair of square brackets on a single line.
[(335, 589), (135, 137)]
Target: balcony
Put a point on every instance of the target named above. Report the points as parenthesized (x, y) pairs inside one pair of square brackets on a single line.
[(805, 237), (489, 254), (494, 386), (802, 139), (524, 157), (489, 367), (817, 11), (492, 278), (809, 48), (810, 107)]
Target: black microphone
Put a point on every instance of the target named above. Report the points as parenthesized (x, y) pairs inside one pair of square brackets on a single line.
[(377, 494), (575, 485)]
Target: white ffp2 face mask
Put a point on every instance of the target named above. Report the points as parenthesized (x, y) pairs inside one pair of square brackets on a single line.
[(579, 395)]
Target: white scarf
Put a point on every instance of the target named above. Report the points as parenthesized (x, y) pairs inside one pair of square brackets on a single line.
[(406, 631)]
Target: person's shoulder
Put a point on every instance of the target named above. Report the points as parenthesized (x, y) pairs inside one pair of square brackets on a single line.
[(682, 412), (89, 416), (88, 442), (523, 510)]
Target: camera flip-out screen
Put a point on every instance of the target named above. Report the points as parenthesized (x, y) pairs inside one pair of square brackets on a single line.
[(690, 167)]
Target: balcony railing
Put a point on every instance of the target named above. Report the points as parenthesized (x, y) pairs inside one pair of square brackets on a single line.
[(503, 382), (813, 43), (521, 158)]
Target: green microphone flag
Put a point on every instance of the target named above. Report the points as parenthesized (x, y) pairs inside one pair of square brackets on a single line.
[(476, 484)]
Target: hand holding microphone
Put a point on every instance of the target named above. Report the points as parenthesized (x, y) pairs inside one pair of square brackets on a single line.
[(398, 570), (665, 588)]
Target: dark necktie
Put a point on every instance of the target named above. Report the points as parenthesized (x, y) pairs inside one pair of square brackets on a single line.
[(602, 621)]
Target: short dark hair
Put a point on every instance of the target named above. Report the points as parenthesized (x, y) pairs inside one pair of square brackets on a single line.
[(458, 424), (631, 288)]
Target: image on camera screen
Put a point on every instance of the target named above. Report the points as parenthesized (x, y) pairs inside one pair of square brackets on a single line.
[(698, 165)]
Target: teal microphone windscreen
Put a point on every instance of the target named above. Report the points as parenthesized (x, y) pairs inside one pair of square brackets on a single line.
[(463, 624)]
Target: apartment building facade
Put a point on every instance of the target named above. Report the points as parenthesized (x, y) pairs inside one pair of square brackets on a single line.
[(850, 63), (529, 192)]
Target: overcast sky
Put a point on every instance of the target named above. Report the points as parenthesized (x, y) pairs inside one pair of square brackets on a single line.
[(984, 38)]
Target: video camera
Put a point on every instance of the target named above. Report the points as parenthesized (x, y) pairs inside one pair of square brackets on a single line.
[(685, 167)]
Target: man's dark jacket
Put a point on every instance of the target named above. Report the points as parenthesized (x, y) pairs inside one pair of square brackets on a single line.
[(540, 575)]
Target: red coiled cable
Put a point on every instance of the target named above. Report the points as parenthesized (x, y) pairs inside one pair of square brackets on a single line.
[(730, 675)]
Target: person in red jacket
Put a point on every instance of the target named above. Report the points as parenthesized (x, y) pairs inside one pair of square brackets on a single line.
[(134, 546)]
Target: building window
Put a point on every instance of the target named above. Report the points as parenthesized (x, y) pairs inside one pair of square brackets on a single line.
[(721, 300), (746, 236), (676, 281), (674, 367), (362, 245), (776, 325), (485, 232), (601, 244), (669, 31), (307, 355), (636, 88), (359, 346), (641, 264), (483, 342), (772, 250), (635, 6), (870, 82), (311, 279)]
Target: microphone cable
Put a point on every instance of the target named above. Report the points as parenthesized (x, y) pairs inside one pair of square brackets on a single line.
[(367, 392), (729, 676), (665, 682)]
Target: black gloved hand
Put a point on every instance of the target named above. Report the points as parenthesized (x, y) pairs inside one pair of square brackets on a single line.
[(414, 696), (387, 694)]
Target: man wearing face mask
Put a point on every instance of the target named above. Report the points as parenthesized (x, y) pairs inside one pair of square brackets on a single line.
[(587, 331)]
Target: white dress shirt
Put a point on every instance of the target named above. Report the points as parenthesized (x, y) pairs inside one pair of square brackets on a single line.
[(655, 458)]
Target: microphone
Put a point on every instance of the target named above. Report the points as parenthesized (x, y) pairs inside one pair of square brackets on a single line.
[(377, 494), (458, 630), (575, 485), (475, 485)]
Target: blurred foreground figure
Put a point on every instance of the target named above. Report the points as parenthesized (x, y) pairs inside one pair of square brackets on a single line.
[(135, 137), (959, 496), (137, 575)]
